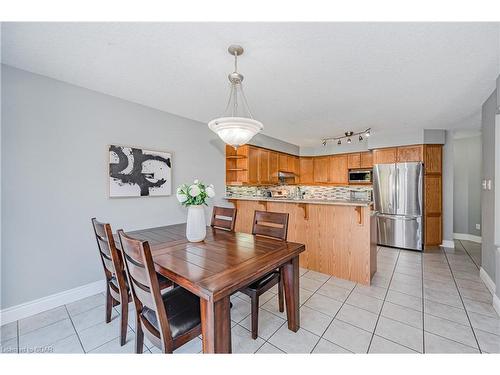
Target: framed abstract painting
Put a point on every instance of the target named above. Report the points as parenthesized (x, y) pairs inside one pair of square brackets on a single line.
[(135, 172)]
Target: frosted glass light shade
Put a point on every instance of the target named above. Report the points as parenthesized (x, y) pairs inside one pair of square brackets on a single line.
[(235, 131)]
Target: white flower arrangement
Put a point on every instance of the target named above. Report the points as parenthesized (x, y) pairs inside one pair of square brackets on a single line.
[(194, 194)]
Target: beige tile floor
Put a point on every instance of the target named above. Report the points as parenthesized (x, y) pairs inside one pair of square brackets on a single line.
[(426, 303)]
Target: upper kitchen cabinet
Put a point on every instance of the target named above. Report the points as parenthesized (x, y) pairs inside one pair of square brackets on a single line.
[(253, 165), (354, 160), (273, 166), (366, 160), (321, 169), (306, 170), (433, 158), (410, 153), (338, 170), (385, 155), (263, 171), (283, 162), (359, 160), (400, 154), (236, 165)]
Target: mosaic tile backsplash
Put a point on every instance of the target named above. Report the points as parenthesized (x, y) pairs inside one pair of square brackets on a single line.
[(309, 192)]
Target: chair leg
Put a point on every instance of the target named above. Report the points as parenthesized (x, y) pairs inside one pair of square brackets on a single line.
[(255, 316), (124, 323), (139, 336), (109, 304), (280, 294)]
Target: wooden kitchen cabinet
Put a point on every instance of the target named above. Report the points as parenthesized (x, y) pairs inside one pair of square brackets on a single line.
[(433, 158), (433, 195), (338, 169), (409, 153), (253, 165), (321, 169), (385, 155), (354, 160), (306, 169), (283, 162), (273, 166), (366, 160), (264, 176)]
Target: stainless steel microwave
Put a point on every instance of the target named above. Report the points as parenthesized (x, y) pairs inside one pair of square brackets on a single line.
[(358, 176)]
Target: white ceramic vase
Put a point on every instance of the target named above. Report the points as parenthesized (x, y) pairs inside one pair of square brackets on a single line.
[(196, 227)]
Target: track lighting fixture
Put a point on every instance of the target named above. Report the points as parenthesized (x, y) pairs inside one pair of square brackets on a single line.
[(347, 135)]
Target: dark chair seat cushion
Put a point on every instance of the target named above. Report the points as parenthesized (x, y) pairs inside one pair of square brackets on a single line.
[(263, 281), (183, 311)]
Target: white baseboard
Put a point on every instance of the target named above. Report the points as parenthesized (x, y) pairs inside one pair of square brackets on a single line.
[(11, 314), (496, 304), (490, 284), (448, 243), (467, 237)]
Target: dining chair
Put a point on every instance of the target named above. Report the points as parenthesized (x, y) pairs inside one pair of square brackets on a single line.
[(223, 218), (168, 320), (117, 290), (272, 225)]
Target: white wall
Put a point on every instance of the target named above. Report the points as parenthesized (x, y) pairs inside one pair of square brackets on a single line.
[(488, 196), (54, 165)]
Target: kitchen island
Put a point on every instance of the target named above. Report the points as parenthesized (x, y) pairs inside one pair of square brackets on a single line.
[(340, 235)]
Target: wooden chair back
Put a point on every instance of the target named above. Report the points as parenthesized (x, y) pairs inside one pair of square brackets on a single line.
[(270, 224), (110, 256), (145, 288), (223, 218)]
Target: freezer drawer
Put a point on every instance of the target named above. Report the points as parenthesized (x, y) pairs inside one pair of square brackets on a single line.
[(400, 231)]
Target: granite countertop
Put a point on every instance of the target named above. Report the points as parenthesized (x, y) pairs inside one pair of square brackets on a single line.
[(338, 202)]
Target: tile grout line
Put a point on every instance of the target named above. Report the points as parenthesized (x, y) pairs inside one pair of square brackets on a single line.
[(331, 322), (466, 252), (303, 304), (73, 325), (461, 299), (383, 302)]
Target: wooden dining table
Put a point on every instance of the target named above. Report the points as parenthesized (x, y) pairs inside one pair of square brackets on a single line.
[(218, 267)]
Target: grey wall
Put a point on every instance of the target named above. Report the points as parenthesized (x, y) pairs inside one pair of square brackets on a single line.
[(488, 196), (448, 188), (467, 185), (54, 161), (262, 140), (380, 139)]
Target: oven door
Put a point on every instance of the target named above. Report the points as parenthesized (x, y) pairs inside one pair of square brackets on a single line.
[(358, 176)]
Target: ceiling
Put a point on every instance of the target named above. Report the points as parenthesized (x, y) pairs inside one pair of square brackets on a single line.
[(304, 81)]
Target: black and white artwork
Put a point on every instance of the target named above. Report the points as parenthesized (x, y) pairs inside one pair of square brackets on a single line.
[(134, 172)]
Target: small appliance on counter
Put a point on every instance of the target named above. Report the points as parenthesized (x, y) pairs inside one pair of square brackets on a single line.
[(279, 193), (360, 195)]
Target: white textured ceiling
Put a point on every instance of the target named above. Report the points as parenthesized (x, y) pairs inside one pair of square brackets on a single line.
[(304, 81)]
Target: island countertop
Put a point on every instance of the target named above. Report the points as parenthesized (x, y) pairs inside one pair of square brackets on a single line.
[(340, 236), (336, 202)]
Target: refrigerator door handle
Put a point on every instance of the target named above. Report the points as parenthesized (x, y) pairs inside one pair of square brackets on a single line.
[(398, 217), (397, 189)]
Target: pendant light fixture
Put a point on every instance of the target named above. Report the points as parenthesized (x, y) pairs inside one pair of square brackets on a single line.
[(237, 126)]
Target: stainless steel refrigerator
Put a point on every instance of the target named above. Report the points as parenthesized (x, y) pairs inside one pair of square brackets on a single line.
[(397, 194)]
